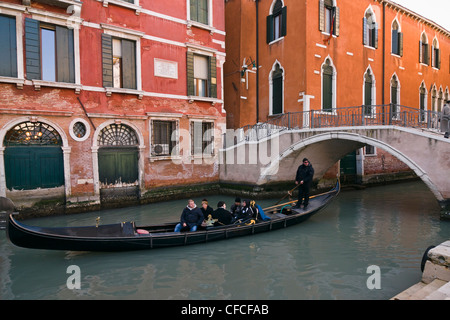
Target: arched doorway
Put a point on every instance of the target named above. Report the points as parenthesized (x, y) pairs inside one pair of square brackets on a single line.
[(118, 156), (33, 157)]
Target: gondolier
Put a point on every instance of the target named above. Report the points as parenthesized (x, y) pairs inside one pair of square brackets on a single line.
[(303, 178)]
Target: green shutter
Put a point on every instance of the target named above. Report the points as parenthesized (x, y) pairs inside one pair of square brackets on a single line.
[(212, 77), (395, 42), (283, 21), (269, 21), (8, 54), (65, 55), (375, 36), (400, 44), (129, 64), (277, 95), (32, 49), (202, 11), (190, 73), (107, 60), (327, 103)]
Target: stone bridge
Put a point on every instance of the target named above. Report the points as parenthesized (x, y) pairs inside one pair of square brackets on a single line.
[(275, 156)]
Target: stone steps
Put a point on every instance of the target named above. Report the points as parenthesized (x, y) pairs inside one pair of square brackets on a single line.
[(435, 284)]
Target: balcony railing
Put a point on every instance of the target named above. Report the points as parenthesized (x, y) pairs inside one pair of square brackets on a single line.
[(374, 115)]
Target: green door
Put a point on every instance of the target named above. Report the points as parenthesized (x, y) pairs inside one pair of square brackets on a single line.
[(348, 164), (31, 167), (118, 165)]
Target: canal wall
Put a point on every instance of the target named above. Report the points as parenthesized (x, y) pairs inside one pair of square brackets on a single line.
[(33, 205), (435, 282)]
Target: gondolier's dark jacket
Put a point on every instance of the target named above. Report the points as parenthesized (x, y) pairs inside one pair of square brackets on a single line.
[(192, 217), (305, 173)]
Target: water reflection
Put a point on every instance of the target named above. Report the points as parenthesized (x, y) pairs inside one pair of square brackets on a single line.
[(324, 258)]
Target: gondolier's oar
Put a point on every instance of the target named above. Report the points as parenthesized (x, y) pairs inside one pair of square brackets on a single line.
[(288, 194), (289, 202)]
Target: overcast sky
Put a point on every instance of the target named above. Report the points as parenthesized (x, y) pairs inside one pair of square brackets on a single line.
[(435, 10)]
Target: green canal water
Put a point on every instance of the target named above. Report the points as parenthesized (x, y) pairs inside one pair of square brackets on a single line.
[(326, 257)]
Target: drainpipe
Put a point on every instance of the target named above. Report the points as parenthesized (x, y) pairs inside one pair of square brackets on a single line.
[(257, 61), (384, 61)]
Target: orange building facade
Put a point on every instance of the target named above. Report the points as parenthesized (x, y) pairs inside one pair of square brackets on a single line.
[(293, 56), (109, 100)]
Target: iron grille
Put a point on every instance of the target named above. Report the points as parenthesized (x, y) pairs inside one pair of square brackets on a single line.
[(32, 133), (117, 135)]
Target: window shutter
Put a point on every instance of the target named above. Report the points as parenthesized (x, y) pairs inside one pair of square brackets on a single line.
[(190, 73), (426, 55), (193, 10), (321, 15), (400, 44), (395, 42), (107, 60), (32, 49), (269, 20), (129, 64), (65, 56), (283, 21), (438, 58), (8, 54), (212, 77), (376, 36), (337, 20), (420, 52), (365, 33)]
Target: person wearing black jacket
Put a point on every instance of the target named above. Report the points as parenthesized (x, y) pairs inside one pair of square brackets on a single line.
[(191, 217), (303, 178), (222, 215)]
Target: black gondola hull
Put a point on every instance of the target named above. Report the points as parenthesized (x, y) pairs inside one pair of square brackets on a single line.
[(116, 238)]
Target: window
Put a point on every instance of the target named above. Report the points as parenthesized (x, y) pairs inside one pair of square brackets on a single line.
[(202, 138), (201, 75), (276, 22), (199, 11), (328, 86), (423, 102), (119, 62), (8, 53), (276, 89), (328, 17), (163, 137), (370, 29), (435, 55), (395, 97), (397, 39), (369, 150), (49, 51), (369, 95), (424, 56)]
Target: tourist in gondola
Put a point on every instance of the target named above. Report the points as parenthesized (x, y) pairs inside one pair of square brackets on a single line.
[(236, 207), (206, 209), (246, 212), (222, 215), (303, 178), (191, 217)]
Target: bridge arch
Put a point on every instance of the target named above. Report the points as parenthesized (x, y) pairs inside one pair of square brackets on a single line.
[(353, 140)]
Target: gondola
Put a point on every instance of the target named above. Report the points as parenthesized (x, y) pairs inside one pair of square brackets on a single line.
[(127, 236)]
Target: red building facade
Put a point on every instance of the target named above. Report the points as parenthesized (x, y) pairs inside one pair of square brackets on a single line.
[(105, 99)]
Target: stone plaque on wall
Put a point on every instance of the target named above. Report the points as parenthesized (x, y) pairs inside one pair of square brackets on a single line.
[(166, 69)]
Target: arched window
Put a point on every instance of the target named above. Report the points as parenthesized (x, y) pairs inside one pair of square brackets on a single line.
[(397, 39), (395, 96), (424, 56), (440, 100), (370, 29), (32, 133), (276, 21), (423, 101), (369, 92), (328, 86), (276, 89), (117, 135), (434, 97), (435, 55)]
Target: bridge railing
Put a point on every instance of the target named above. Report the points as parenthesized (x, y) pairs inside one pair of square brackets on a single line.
[(365, 115)]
